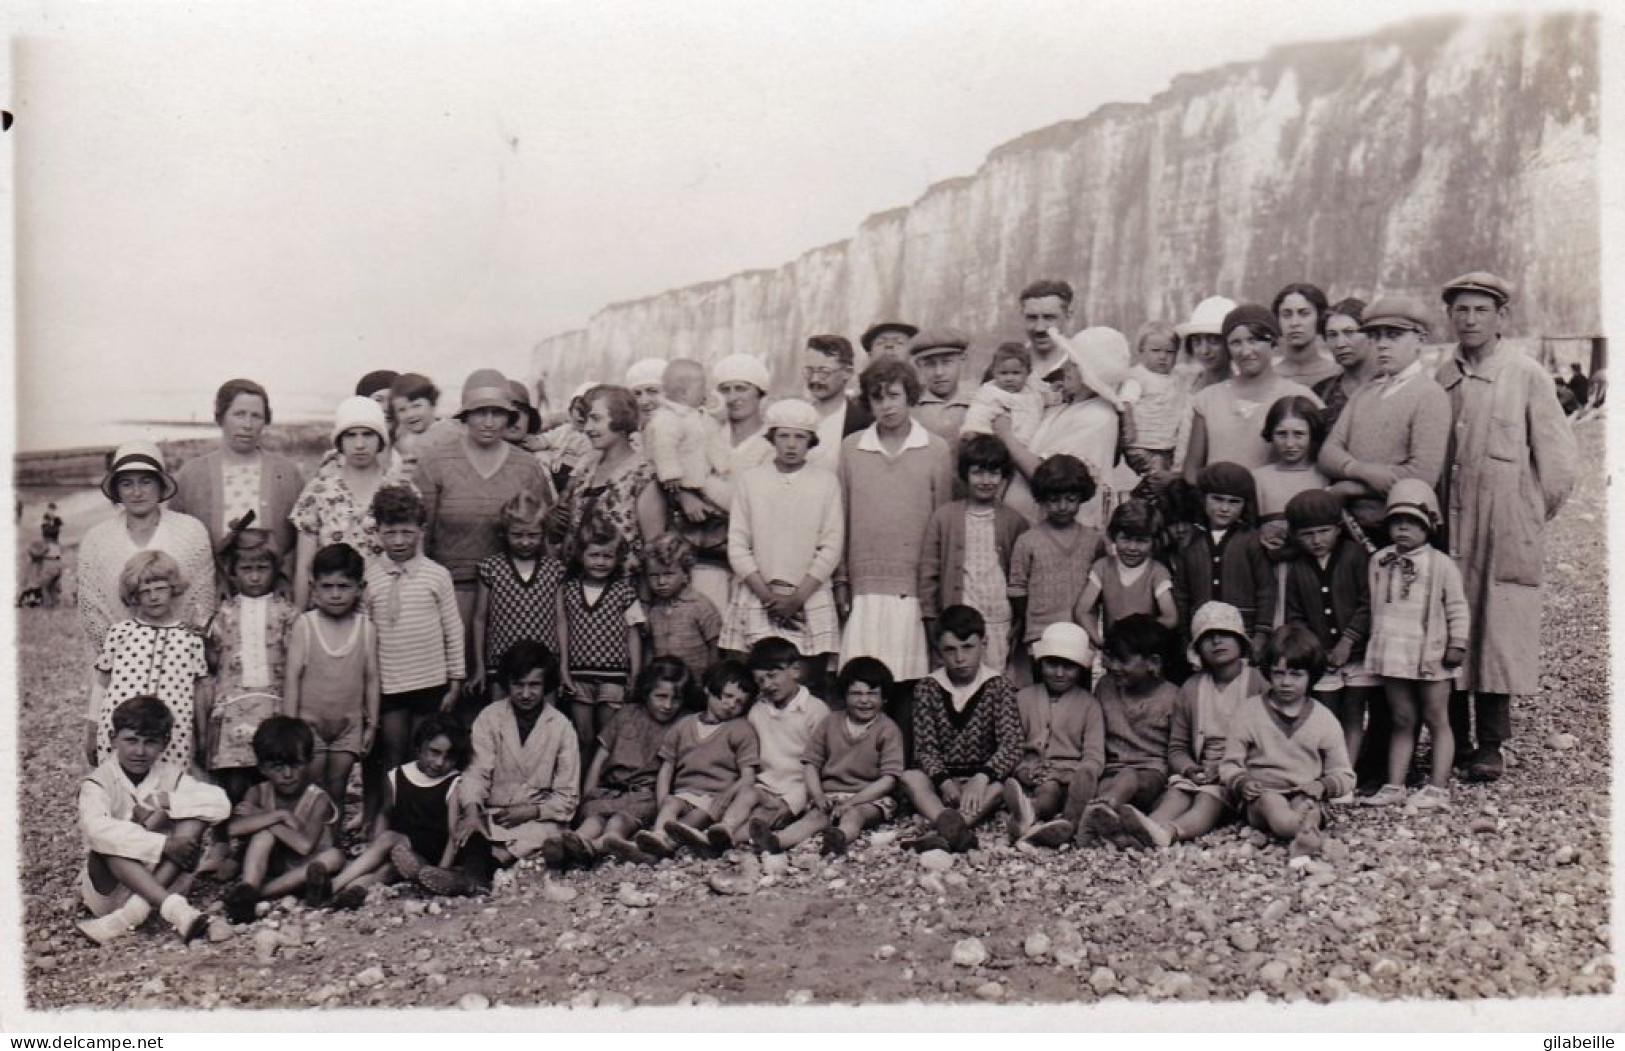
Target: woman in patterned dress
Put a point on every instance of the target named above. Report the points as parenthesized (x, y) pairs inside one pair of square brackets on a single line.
[(612, 482)]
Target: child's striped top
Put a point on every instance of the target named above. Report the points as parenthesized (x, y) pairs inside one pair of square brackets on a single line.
[(420, 633)]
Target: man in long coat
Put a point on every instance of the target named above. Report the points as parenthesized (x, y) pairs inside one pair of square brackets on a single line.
[(1510, 466)]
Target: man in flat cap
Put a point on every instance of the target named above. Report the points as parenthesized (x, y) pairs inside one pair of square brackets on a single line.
[(938, 355), (1510, 466), (888, 339)]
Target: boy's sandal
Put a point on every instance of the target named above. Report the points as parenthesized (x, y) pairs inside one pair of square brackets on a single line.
[(651, 843), (718, 839), (687, 835), (1054, 833)]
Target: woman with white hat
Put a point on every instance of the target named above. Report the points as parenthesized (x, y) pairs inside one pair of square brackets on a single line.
[(465, 484), (139, 484), (1203, 360), (333, 507), (1084, 423), (645, 379)]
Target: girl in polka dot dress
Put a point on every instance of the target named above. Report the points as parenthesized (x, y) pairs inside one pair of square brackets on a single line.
[(518, 596), (153, 652)]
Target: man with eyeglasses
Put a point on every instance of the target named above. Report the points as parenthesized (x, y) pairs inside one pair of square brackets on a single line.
[(1510, 467), (826, 368)]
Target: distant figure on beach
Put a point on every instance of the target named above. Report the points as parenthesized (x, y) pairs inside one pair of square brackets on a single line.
[(42, 579)]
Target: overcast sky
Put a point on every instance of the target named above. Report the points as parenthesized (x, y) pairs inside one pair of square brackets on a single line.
[(300, 192)]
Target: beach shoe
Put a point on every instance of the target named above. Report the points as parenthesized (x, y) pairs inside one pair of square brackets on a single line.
[(1142, 831), (720, 839), (104, 929), (1487, 765), (831, 841), (1056, 832), (351, 897), (1428, 797), (763, 839), (188, 921), (553, 853), (951, 826), (577, 851), (405, 860), (1305, 844), (652, 843), (1387, 795), (318, 885), (240, 900), (688, 836), (449, 883), (625, 850), (929, 841), (1102, 821)]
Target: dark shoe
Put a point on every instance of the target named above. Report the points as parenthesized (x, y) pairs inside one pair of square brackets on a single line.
[(1142, 831), (951, 826), (929, 841), (577, 851), (450, 883), (405, 860), (318, 885), (1101, 820), (553, 854), (720, 840), (763, 839), (1486, 766), (625, 850), (1052, 834), (240, 900), (687, 835), (832, 841), (351, 897), (652, 844)]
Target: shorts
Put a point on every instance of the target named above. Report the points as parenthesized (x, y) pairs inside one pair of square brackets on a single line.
[(887, 805), (771, 808), (635, 803), (1217, 791), (98, 903), (425, 701), (705, 802), (1147, 785), (335, 733), (595, 693), (1353, 674)]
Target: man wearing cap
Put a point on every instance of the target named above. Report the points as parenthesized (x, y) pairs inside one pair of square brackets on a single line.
[(938, 355), (826, 368), (887, 339), (1509, 468), (1398, 425), (1046, 307)]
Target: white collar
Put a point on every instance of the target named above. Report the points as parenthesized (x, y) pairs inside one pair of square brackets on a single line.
[(1402, 377), (961, 695), (918, 438)]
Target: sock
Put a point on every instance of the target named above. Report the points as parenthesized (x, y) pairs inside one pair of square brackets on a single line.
[(135, 911), (175, 909)]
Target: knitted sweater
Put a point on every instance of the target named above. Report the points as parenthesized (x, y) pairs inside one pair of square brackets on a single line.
[(1408, 430), (985, 738), (889, 501), (1334, 602), (1066, 733), (942, 559), (1137, 728), (848, 764), (1236, 571), (1306, 754), (464, 509), (1198, 731)]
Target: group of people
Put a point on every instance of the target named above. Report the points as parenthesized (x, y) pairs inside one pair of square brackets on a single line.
[(1119, 594)]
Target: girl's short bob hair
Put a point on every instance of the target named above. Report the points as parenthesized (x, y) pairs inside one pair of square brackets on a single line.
[(1137, 635), (1296, 406), (524, 508), (524, 657), (229, 392), (670, 550), (985, 451), (1060, 475), (145, 566), (730, 673), (871, 671), (412, 386), (664, 668), (1296, 647), (1136, 518), (1009, 351), (398, 504), (447, 725), (880, 375), (145, 716), (594, 532), (619, 405)]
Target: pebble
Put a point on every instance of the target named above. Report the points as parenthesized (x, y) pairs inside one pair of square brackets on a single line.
[(219, 930), (1564, 855), (619, 1001), (633, 898), (1103, 980), (370, 977), (936, 861), (1244, 940), (693, 999), (266, 943), (885, 952), (1562, 742), (473, 1002), (798, 997), (1274, 912), (722, 883), (932, 883), (1274, 971), (558, 893), (1036, 946), (776, 864), (990, 991), (883, 839), (585, 998), (1482, 824), (969, 952)]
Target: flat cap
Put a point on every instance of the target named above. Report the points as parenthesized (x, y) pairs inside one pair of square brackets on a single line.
[(1397, 312), (1481, 281), (936, 341), (874, 332)]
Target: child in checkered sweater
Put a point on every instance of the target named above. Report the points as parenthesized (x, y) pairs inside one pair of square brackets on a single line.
[(600, 644)]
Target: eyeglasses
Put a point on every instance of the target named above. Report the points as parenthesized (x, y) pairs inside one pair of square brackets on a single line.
[(815, 372)]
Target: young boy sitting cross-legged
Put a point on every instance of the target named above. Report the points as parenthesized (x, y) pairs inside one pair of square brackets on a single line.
[(967, 736), (142, 820)]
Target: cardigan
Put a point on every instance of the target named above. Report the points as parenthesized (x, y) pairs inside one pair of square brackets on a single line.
[(1067, 734), (1237, 571), (198, 485), (942, 557), (1196, 737), (984, 738), (889, 501), (1137, 728), (1287, 755), (1334, 602)]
